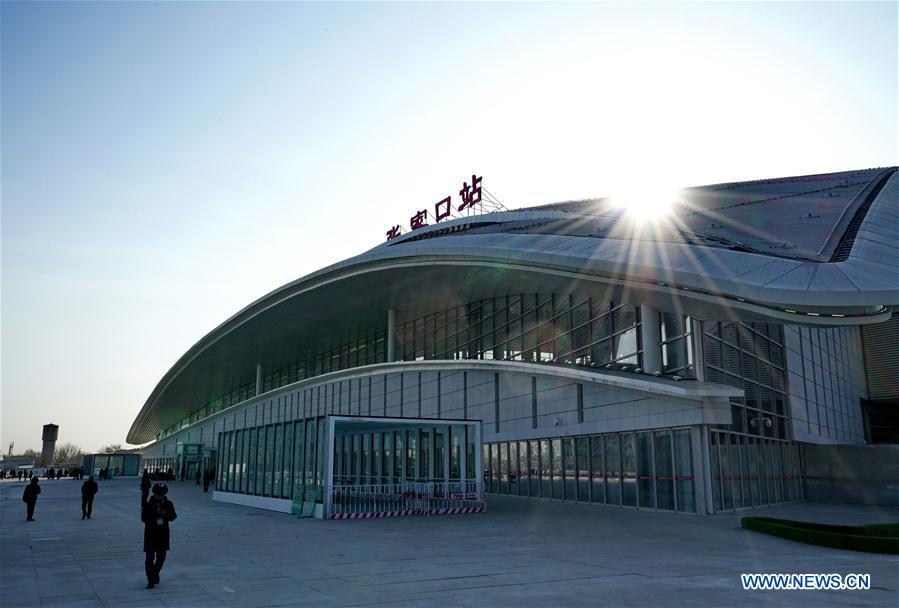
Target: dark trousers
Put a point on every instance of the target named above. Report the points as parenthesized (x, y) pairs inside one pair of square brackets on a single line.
[(30, 508), (87, 506), (153, 567)]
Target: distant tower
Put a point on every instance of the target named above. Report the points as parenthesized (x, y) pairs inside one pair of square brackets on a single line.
[(12, 444), (51, 432)]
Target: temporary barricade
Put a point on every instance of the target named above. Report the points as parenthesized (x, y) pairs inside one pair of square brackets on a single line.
[(405, 498)]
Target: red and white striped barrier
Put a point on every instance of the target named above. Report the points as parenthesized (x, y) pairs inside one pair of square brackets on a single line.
[(373, 515), (455, 510)]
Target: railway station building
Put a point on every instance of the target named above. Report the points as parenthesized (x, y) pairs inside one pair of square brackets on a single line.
[(569, 351)]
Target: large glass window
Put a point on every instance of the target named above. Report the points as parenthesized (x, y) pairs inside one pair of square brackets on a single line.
[(683, 458), (570, 466), (556, 468), (251, 460), (513, 467), (582, 446), (664, 471), (613, 470), (629, 470), (545, 469), (269, 459), (598, 470), (545, 328), (749, 356), (523, 474), (277, 465), (534, 468)]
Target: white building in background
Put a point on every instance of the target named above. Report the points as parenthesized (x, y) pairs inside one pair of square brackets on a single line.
[(567, 351)]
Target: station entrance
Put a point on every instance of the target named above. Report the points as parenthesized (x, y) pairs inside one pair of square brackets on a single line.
[(388, 467)]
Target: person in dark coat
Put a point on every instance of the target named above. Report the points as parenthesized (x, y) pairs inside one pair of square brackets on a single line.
[(156, 515), (145, 485), (88, 491), (29, 496)]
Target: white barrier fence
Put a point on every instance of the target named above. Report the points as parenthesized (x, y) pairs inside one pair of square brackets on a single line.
[(407, 498)]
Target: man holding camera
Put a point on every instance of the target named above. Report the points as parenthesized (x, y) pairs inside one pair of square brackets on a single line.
[(156, 515)]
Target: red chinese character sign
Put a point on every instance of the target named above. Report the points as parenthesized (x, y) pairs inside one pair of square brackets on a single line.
[(442, 209), (419, 220), (471, 196)]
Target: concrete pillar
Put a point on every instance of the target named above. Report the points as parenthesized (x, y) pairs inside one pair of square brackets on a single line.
[(651, 339), (391, 335), (258, 379)]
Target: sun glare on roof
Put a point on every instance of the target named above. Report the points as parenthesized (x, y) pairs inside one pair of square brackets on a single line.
[(647, 202)]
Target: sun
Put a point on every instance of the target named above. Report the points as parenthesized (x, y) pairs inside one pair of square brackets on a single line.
[(647, 202)]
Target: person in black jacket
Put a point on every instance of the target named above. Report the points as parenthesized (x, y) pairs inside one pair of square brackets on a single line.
[(30, 497), (156, 515), (88, 490), (145, 484)]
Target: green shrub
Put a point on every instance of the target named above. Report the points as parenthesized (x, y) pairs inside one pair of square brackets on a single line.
[(871, 538)]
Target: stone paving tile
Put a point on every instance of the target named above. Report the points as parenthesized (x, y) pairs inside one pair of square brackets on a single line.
[(520, 553)]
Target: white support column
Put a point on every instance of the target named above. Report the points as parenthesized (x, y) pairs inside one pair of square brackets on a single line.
[(391, 335), (258, 379), (651, 339)]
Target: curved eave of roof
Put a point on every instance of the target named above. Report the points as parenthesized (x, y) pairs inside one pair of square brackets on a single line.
[(739, 284)]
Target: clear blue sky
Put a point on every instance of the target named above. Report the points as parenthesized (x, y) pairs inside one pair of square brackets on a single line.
[(163, 164)]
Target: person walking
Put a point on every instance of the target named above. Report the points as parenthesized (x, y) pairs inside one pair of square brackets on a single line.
[(88, 491), (29, 496), (156, 515), (145, 484)]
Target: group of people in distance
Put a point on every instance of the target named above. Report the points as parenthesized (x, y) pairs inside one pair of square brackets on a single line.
[(156, 512), (19, 474), (73, 473), (51, 473)]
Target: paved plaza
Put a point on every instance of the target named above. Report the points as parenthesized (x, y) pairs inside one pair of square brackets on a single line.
[(520, 553)]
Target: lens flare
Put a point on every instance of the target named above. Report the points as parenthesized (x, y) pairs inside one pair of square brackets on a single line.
[(647, 202)]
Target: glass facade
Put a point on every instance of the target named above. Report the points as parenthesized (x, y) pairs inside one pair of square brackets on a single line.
[(648, 469), (276, 460), (750, 356), (826, 380), (751, 471), (116, 464), (752, 460), (538, 328), (677, 345)]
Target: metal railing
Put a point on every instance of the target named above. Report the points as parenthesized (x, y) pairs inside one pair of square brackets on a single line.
[(405, 498)]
